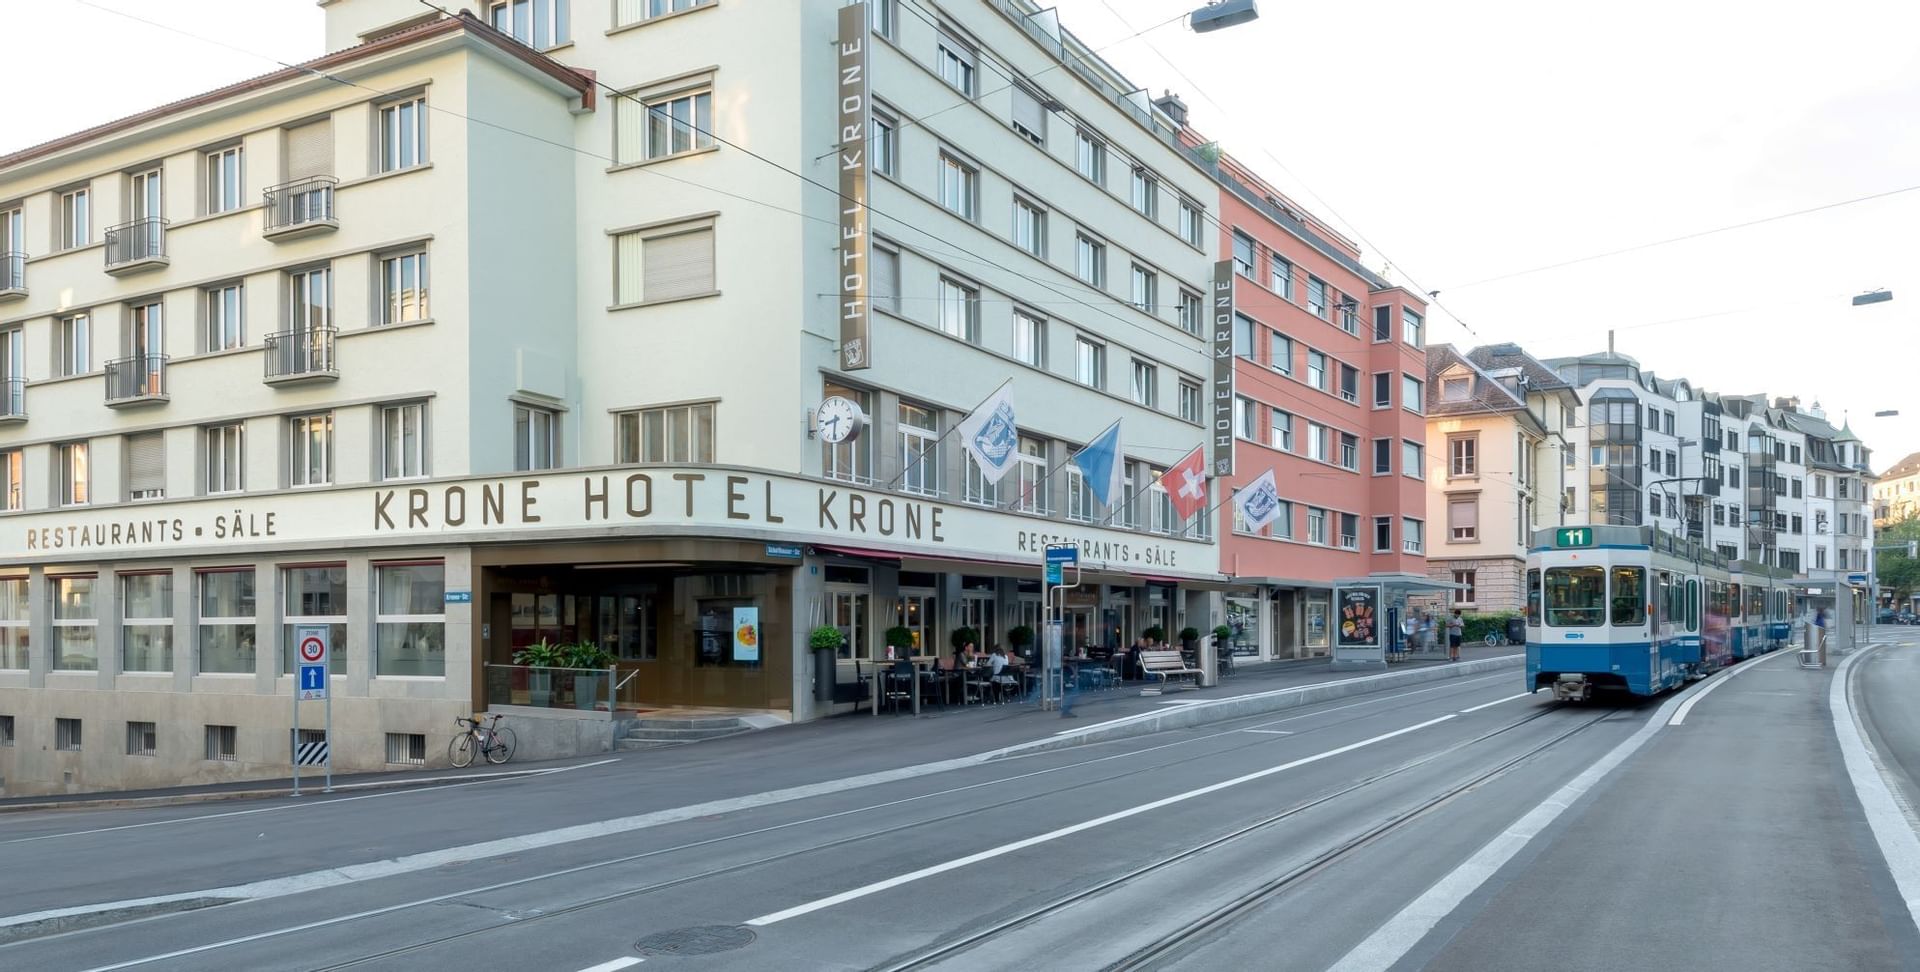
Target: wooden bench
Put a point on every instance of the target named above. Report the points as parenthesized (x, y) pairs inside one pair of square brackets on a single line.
[(1164, 666)]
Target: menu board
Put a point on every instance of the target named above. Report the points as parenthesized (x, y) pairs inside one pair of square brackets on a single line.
[(1359, 617)]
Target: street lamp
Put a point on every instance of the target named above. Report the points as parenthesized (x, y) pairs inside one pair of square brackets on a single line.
[(1222, 14)]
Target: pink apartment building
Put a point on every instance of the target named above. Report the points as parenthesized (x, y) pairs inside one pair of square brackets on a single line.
[(1329, 394)]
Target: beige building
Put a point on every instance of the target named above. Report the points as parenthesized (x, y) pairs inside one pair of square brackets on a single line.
[(1896, 495), (1497, 445)]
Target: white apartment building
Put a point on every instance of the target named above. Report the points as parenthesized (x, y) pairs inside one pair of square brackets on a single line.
[(453, 341)]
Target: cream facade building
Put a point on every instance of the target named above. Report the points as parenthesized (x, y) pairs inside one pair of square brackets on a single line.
[(1896, 496), (458, 339)]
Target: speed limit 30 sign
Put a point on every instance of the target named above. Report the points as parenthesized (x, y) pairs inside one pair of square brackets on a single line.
[(313, 645)]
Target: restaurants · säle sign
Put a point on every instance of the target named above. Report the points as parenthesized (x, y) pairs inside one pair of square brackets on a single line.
[(1221, 453), (856, 344)]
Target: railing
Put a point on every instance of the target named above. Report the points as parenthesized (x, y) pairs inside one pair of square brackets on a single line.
[(140, 241), (13, 271), (13, 398), (141, 376), (305, 203), (579, 689), (301, 353)]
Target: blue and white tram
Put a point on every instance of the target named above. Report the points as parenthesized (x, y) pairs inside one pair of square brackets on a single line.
[(1758, 615), (1625, 609)]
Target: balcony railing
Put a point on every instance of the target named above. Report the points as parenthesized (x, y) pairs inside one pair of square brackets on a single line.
[(137, 380), (13, 399), (13, 274), (301, 208), (137, 246), (304, 354)]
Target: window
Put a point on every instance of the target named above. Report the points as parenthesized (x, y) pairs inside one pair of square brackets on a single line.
[(410, 628), (1279, 427), (1412, 463), (1382, 324), (1243, 336), (316, 595), (1089, 362), (1382, 457), (1316, 525), (1032, 470), (66, 735), (1463, 590), (1411, 325), (1383, 389), (310, 449), (75, 488), (226, 458), (1029, 339), (1413, 535), (674, 263), (1316, 442), (1349, 451), (1819, 558), (223, 180), (310, 299), (1080, 500), (1653, 502), (919, 431), (959, 186), (146, 622), (75, 648), (979, 489), (1090, 157), (955, 61), (1463, 457), (533, 437), (225, 318), (146, 460), (403, 288), (1412, 394), (1733, 476), (539, 24), (1279, 352), (1383, 532), (75, 222), (1090, 259), (14, 619), (1029, 115), (221, 743), (1463, 518), (1666, 422), (1673, 469), (1317, 370), (226, 622), (1349, 383), (1455, 389), (1317, 297), (1797, 488), (1280, 275), (1146, 384), (1143, 193), (1030, 228), (403, 134), (1282, 525), (1192, 222), (1575, 596), (1629, 596), (1191, 313), (959, 310), (6, 731), (403, 440), (1245, 419), (1793, 454), (850, 460), (1349, 314), (1143, 289), (883, 145), (75, 351), (883, 278), (1189, 401)]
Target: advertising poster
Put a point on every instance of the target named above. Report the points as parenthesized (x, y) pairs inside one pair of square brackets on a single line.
[(746, 634), (1359, 617)]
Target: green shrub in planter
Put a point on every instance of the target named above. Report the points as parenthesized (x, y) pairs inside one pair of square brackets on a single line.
[(825, 636), (963, 637), (1155, 634), (1020, 636), (586, 654), (1222, 634), (1189, 635), (900, 639), (1476, 627), (541, 654)]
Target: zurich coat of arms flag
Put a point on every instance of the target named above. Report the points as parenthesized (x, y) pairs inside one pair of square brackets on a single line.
[(1259, 501), (1100, 463), (1186, 484), (990, 435)]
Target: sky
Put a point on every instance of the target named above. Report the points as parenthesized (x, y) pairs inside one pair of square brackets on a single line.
[(1456, 142)]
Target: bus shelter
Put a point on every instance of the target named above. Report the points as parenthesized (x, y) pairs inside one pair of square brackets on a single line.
[(1371, 615)]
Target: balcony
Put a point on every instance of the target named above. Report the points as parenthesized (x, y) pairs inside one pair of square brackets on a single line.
[(137, 247), (299, 356), (13, 400), (137, 380), (13, 275), (299, 209)]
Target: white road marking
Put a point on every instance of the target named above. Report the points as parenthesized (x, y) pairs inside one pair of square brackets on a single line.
[(1052, 835), (1680, 717), (1891, 830), (1271, 732), (1385, 698), (1182, 701), (614, 965), (1489, 705), (400, 789)]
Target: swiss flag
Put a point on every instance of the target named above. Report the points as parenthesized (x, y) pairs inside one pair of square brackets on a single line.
[(1186, 484)]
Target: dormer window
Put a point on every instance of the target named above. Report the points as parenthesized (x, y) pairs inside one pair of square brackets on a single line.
[(1455, 389)]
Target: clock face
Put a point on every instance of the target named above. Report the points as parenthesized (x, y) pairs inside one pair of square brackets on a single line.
[(839, 419)]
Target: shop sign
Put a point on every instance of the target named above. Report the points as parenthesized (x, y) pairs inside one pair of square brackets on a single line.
[(1221, 453), (853, 105), (1359, 617)]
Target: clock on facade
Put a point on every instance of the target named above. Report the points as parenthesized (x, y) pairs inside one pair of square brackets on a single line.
[(839, 419)]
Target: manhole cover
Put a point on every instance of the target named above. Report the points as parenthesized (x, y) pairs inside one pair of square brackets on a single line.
[(698, 940)]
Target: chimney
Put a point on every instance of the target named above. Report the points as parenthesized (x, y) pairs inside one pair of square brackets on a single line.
[(1171, 105)]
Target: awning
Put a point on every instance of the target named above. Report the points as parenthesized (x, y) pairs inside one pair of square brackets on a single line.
[(1408, 582), (855, 552)]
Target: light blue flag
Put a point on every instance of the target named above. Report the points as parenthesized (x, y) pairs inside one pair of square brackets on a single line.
[(1100, 463)]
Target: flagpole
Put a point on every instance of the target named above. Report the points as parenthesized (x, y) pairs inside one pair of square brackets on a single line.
[(934, 449), (1129, 503), (1187, 532), (1119, 456)]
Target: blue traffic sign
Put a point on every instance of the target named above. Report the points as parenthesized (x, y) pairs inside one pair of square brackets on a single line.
[(313, 682), (1063, 553), (1053, 573)]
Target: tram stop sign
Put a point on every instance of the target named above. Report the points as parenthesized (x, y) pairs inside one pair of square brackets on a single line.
[(1058, 556)]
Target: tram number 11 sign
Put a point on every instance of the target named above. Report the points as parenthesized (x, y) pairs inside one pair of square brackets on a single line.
[(1573, 537)]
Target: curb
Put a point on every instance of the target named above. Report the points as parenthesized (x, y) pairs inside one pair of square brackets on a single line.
[(1201, 713)]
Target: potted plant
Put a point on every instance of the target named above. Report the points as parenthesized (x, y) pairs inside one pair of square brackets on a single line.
[(900, 639), (538, 657), (1222, 637), (1189, 638), (825, 636), (1020, 637), (1155, 635), (591, 663), (964, 636)]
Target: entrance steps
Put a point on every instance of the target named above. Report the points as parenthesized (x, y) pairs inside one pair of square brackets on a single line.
[(657, 733)]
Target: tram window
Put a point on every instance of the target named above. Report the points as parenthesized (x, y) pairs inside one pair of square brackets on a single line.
[(1756, 603), (1629, 596), (1693, 604), (1733, 600), (1673, 599), (1533, 598), (1576, 596)]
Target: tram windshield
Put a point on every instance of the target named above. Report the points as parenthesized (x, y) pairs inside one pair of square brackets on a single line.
[(1533, 598), (1629, 596), (1576, 596)]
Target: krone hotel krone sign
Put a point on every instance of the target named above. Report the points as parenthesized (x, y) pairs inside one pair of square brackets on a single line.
[(657, 500)]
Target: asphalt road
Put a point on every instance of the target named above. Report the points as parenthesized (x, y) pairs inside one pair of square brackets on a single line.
[(1289, 841)]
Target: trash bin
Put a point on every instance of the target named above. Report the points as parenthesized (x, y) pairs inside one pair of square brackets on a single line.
[(825, 672), (1516, 631)]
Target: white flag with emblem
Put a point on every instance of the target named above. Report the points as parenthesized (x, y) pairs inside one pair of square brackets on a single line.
[(989, 434), (1259, 501)]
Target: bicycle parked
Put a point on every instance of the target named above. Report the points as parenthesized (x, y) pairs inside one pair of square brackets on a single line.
[(492, 740), (1496, 639)]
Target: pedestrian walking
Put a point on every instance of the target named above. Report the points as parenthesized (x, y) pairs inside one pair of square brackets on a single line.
[(1455, 625)]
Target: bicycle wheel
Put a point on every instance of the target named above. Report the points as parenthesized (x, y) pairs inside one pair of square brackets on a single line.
[(1493, 640), (460, 750), (502, 748)]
